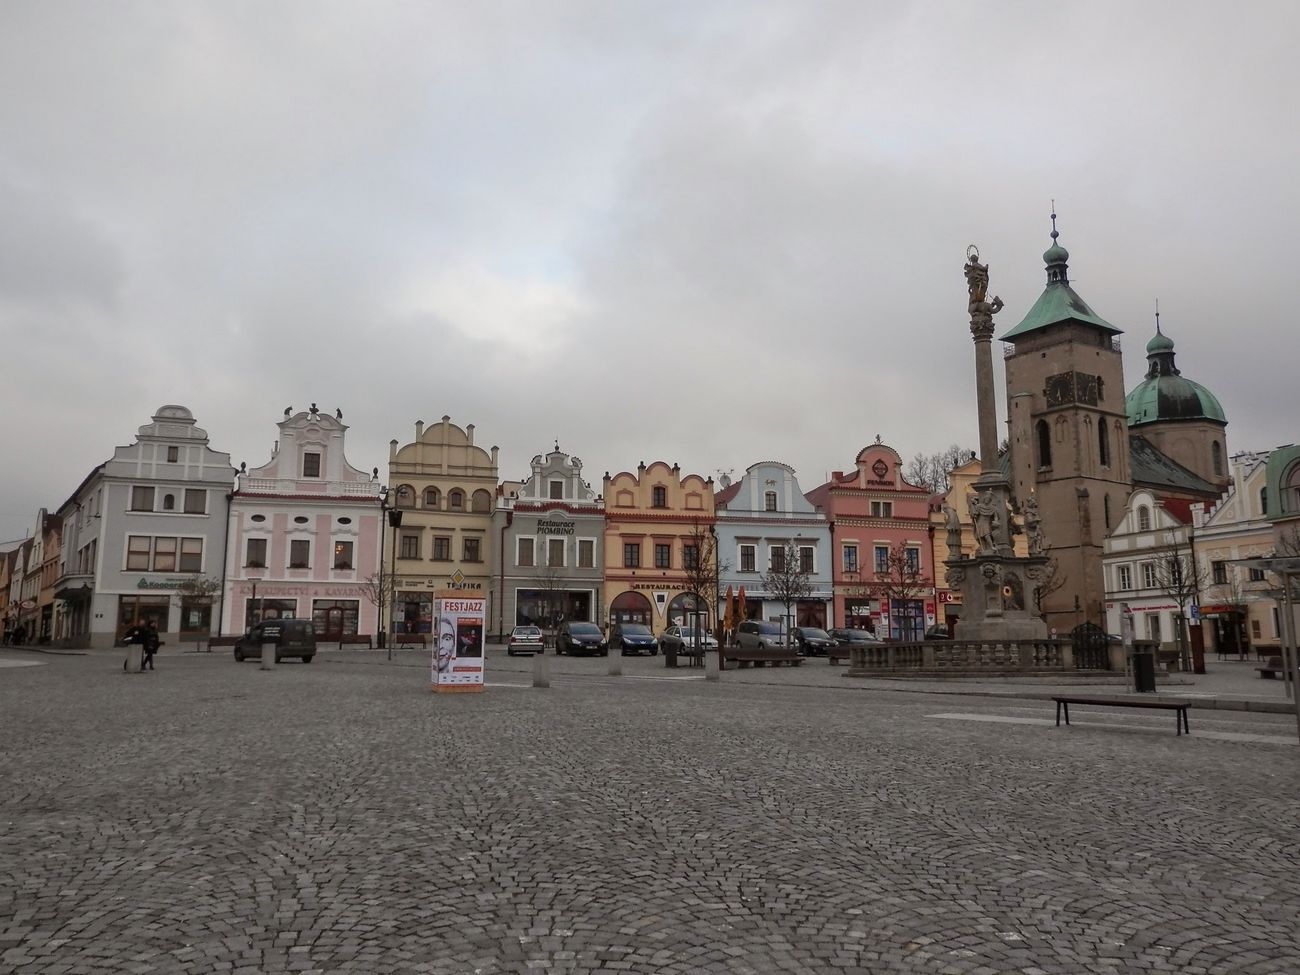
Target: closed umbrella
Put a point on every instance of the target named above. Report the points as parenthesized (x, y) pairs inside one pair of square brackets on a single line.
[(729, 616)]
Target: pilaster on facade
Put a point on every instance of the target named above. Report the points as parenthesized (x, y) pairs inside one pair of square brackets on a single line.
[(445, 488), (656, 521), (548, 560), (304, 533)]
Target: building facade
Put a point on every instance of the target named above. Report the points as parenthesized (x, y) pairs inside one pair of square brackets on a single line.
[(304, 534), (882, 549), (1149, 568), (443, 488), (140, 527), (548, 560), (656, 522), (759, 517)]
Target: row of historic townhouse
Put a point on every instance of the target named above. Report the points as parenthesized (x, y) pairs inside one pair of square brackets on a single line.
[(168, 530), (1172, 562)]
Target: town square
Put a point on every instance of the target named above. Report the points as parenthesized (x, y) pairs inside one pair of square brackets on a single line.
[(214, 817)]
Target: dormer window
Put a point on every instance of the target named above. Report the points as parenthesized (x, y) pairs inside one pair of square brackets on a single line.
[(311, 465), (1144, 519), (769, 501), (556, 490), (659, 497)]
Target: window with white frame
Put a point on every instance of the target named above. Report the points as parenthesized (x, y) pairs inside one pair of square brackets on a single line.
[(1219, 572), (769, 500), (409, 545), (882, 509), (555, 553), (556, 490), (1153, 626), (196, 501), (586, 553), (747, 558), (1148, 575), (882, 558), (850, 553), (299, 553), (1144, 518), (141, 498), (524, 552), (807, 559), (311, 464), (913, 560), (1256, 575), (776, 558), (164, 553), (472, 549), (1123, 577), (342, 555)]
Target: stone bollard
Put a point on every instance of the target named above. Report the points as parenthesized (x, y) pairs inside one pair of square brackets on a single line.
[(615, 664), (541, 670), (713, 665), (134, 659), (268, 656)]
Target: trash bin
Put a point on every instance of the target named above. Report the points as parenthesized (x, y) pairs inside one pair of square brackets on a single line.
[(670, 656), (1144, 671)]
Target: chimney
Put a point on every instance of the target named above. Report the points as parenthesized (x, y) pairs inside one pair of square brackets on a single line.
[(392, 451), (469, 434), (494, 456), (419, 429)]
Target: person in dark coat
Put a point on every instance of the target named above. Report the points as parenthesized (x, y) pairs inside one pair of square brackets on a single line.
[(149, 644), (137, 634)]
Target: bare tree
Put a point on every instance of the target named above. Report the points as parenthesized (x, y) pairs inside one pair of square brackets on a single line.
[(380, 590), (1054, 579), (549, 581), (199, 589), (1179, 577), (788, 580), (702, 573), (900, 576), (934, 471)]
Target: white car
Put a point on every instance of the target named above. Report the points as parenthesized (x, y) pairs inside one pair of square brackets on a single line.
[(683, 639), (525, 639)]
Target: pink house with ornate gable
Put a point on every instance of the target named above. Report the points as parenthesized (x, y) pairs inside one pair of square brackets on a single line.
[(881, 550), (304, 534)]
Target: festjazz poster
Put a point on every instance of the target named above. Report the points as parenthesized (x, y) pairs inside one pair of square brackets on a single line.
[(458, 626)]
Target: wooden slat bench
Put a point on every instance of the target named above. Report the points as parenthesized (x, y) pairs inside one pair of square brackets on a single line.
[(762, 656), (356, 639), (408, 640), (1180, 707)]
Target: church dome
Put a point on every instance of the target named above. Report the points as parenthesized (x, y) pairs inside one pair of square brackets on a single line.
[(1165, 394)]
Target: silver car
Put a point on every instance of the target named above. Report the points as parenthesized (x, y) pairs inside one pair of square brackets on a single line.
[(685, 640)]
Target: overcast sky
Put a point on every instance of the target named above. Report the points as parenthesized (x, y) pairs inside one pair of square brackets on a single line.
[(710, 233)]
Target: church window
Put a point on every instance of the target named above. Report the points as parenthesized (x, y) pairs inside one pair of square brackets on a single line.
[(1103, 449), (1105, 502), (1216, 458), (1044, 444), (1144, 519)]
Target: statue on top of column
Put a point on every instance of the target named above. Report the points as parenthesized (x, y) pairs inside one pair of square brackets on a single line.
[(977, 285)]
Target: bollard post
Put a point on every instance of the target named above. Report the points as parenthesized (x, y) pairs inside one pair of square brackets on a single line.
[(541, 670), (134, 659), (268, 656), (615, 664), (713, 665)]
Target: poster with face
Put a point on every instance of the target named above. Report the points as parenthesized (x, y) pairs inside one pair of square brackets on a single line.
[(458, 626)]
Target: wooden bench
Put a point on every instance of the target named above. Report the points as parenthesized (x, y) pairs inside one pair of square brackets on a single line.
[(1169, 659), (355, 639), (408, 640), (761, 656), (1271, 668), (1180, 707)]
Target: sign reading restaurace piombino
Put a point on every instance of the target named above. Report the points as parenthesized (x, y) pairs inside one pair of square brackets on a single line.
[(459, 623)]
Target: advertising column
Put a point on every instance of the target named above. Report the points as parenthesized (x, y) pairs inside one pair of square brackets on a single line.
[(458, 644)]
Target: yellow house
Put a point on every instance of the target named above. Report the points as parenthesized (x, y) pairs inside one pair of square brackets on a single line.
[(444, 488), (653, 519), (961, 488)]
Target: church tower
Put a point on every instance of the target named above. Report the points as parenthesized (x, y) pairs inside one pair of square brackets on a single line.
[(1068, 436), (1181, 418)]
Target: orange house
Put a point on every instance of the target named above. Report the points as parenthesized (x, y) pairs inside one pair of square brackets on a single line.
[(653, 518)]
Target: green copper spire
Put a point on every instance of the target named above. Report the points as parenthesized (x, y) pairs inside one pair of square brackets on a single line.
[(1058, 302)]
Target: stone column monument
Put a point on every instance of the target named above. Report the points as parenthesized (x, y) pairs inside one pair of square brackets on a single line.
[(997, 586)]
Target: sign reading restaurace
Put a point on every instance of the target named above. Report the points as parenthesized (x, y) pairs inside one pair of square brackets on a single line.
[(554, 527)]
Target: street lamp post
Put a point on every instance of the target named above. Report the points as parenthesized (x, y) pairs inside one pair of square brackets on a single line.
[(395, 522), (381, 595)]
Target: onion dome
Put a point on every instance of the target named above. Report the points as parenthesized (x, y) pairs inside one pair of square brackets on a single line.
[(1165, 394)]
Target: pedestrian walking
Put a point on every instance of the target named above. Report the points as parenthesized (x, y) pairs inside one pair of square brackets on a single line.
[(20, 634), (150, 644), (135, 635)]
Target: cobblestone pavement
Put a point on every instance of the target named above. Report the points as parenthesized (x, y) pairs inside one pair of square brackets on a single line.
[(337, 817)]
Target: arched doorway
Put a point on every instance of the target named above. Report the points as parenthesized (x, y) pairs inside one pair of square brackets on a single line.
[(630, 607), (683, 609)]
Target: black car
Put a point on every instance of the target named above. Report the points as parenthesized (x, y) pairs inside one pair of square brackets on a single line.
[(811, 641), (855, 638), (290, 637), (939, 631), (576, 638), (633, 638)]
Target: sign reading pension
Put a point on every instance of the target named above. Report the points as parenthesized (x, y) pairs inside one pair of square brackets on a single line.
[(459, 623)]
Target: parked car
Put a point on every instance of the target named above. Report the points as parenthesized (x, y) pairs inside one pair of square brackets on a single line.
[(760, 633), (855, 638), (939, 631), (684, 640), (292, 638), (633, 638), (575, 638), (525, 639), (811, 641)]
